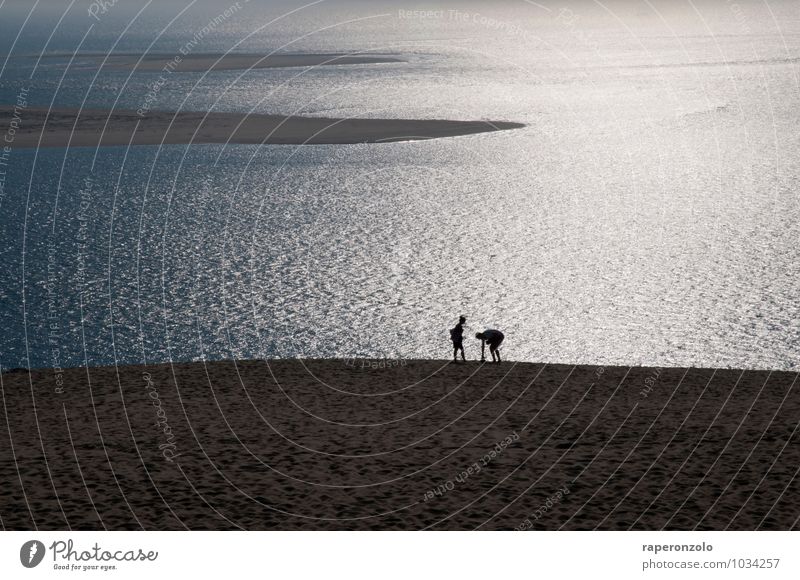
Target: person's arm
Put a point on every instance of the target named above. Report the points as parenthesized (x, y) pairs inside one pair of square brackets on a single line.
[(483, 350)]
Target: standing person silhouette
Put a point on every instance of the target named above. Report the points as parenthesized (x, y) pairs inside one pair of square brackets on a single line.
[(495, 339), (457, 336)]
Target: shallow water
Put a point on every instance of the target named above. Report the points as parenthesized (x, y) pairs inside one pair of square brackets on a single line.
[(647, 213)]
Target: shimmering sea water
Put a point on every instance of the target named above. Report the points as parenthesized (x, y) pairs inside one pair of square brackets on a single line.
[(647, 213)]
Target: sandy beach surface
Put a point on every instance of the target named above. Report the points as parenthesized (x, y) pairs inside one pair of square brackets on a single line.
[(396, 445), (91, 128), (234, 61)]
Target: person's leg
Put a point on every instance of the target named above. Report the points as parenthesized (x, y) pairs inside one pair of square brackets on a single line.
[(463, 358), (455, 351)]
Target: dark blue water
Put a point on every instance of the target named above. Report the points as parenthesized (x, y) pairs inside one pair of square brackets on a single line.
[(647, 214)]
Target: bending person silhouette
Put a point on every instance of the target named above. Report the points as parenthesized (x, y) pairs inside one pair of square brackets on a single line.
[(457, 336), (495, 339)]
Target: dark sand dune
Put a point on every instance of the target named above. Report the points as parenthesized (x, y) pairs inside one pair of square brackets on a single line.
[(329, 445), (91, 128)]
